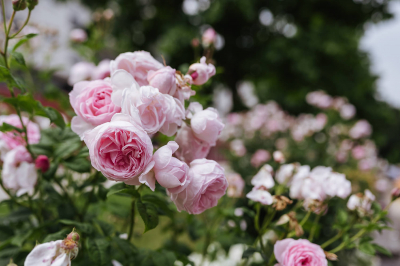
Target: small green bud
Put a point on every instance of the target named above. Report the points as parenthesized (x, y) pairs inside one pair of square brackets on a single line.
[(32, 4), (11, 263), (19, 5)]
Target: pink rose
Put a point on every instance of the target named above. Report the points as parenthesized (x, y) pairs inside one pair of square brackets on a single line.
[(78, 35), (237, 147), (360, 130), (301, 252), (190, 147), (170, 172), (42, 163), (91, 101), (206, 124), (260, 157), (138, 64), (207, 184), (157, 111), (201, 72), (14, 139), (19, 173), (235, 185), (163, 79), (122, 150), (347, 111), (102, 70), (264, 177), (80, 71), (259, 194), (209, 37)]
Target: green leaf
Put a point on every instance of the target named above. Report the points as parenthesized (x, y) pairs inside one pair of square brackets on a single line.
[(42, 149), (342, 217), (148, 212), (106, 228), (164, 258), (98, 251), (23, 40), (367, 248), (80, 165), (57, 236), (65, 149), (121, 188), (159, 202), (125, 246), (249, 252), (83, 227), (6, 76), (19, 58), (19, 240), (382, 250), (7, 127)]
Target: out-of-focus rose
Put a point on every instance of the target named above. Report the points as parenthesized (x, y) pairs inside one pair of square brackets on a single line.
[(358, 152), (361, 202), (285, 173), (260, 195), (360, 130), (170, 172), (19, 173), (319, 99), (290, 252), (237, 147), (102, 70), (260, 157), (264, 177), (91, 101), (122, 150), (190, 147), (163, 79), (235, 185), (207, 184), (14, 139), (209, 36), (337, 185), (81, 71), (201, 72), (138, 64), (78, 35), (205, 124), (347, 111), (157, 111), (278, 157), (42, 163)]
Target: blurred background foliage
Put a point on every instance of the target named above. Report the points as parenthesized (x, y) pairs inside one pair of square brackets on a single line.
[(286, 48)]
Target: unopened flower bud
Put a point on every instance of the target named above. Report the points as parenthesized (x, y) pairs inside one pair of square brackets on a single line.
[(32, 4), (11, 263), (330, 256), (73, 236), (396, 193), (42, 163), (278, 157), (19, 5)]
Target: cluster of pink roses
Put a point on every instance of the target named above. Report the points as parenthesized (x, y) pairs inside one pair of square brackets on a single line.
[(117, 117), (19, 170)]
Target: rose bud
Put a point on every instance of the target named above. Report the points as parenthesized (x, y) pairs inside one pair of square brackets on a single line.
[(201, 72), (209, 37), (73, 235), (395, 193), (32, 4), (11, 263), (163, 79), (78, 35), (42, 163), (278, 157), (330, 256), (19, 5)]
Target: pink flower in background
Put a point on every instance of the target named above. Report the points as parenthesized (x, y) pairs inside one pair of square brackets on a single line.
[(278, 157), (361, 202), (163, 79), (122, 150), (42, 163), (235, 185), (190, 148), (19, 173), (102, 70), (170, 172), (264, 178), (206, 124), (260, 157), (237, 147), (290, 252), (337, 185), (81, 71), (14, 139), (360, 130), (201, 72), (207, 184), (260, 195), (78, 35), (319, 99), (209, 36), (91, 101), (358, 152), (347, 111), (138, 64), (285, 173)]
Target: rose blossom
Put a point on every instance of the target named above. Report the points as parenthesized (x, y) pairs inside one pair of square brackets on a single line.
[(78, 35), (201, 72), (91, 101), (122, 150), (264, 177), (285, 173), (14, 139), (163, 79), (260, 195), (360, 130), (290, 252), (19, 173), (102, 70), (209, 37), (190, 147), (205, 124), (260, 157), (347, 111), (138, 64), (80, 71), (361, 202), (42, 163), (237, 147), (157, 111), (170, 172), (235, 185), (207, 184), (337, 185)]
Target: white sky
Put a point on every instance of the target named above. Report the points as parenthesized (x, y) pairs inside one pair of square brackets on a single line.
[(382, 41)]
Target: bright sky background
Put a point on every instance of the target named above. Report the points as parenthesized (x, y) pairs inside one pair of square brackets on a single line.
[(382, 41)]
